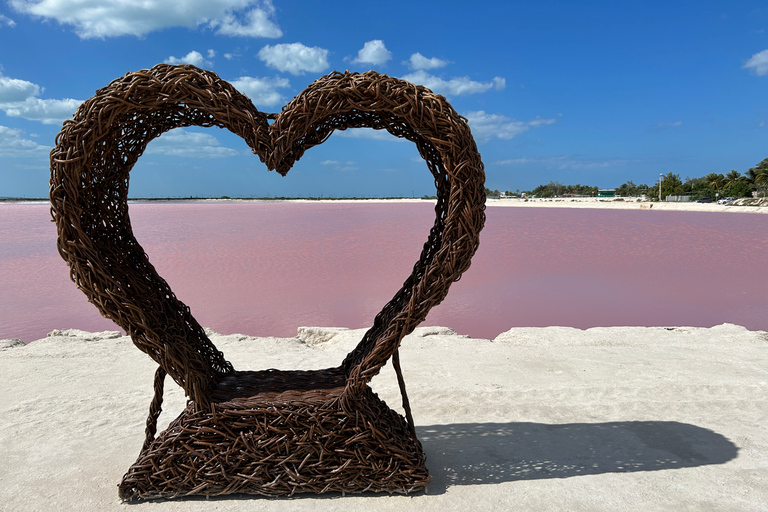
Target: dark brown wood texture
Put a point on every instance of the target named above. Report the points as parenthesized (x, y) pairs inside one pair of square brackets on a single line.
[(332, 408)]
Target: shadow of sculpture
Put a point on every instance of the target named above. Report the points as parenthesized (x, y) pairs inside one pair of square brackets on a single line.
[(489, 453), (492, 453)]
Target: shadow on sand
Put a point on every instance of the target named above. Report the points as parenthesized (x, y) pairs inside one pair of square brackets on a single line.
[(489, 453)]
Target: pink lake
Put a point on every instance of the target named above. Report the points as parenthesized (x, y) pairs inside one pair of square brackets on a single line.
[(265, 269)]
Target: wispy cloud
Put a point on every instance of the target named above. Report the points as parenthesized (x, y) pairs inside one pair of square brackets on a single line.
[(564, 162), (248, 18), (8, 22), (659, 127), (18, 98), (349, 165), (235, 54), (489, 126), (262, 91), (13, 144), (457, 86), (758, 63), (179, 142), (45, 111), (295, 58)]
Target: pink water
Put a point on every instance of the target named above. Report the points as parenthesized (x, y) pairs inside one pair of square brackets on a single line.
[(266, 268)]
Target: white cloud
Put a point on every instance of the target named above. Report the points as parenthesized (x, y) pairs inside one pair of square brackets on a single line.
[(45, 111), (211, 54), (13, 89), (455, 86), (179, 142), (18, 99), (366, 133), (488, 126), (758, 63), (257, 23), (664, 126), (233, 55), (540, 121), (195, 58), (5, 20), (295, 58), (99, 19), (12, 144), (373, 52), (418, 61), (564, 162), (349, 165), (261, 91)]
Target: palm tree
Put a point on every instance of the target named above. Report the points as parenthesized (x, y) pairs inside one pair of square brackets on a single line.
[(716, 181), (732, 177), (759, 175)]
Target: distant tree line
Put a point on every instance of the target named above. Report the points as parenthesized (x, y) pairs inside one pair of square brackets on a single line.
[(555, 188), (732, 184), (551, 189)]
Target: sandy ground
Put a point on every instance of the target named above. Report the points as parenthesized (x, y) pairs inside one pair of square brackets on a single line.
[(580, 202), (627, 204), (537, 419)]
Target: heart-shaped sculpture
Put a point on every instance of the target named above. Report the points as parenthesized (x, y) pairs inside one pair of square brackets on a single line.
[(90, 167)]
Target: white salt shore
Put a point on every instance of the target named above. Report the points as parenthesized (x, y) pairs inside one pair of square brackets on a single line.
[(622, 418), (629, 203), (617, 203), (740, 206)]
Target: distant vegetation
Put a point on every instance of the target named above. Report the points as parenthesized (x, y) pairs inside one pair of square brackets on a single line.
[(733, 184)]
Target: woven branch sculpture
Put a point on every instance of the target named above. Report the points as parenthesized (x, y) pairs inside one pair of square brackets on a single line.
[(268, 432)]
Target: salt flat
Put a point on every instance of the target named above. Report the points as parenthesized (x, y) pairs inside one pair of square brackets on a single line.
[(630, 203), (621, 418)]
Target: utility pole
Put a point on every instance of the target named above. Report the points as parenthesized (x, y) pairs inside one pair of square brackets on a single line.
[(661, 178)]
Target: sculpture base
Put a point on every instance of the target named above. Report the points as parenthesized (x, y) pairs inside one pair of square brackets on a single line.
[(279, 444)]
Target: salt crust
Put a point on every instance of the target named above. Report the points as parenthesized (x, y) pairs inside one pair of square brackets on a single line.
[(618, 418)]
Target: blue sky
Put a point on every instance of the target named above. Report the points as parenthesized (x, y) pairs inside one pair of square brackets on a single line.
[(583, 92)]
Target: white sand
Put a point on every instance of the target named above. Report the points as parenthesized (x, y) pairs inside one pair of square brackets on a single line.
[(538, 419), (629, 203), (579, 202)]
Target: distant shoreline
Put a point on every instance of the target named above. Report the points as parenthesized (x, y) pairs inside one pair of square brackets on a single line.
[(620, 203), (627, 203)]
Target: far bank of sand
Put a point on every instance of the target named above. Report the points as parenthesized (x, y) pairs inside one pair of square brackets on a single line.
[(625, 204), (621, 418), (580, 202)]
